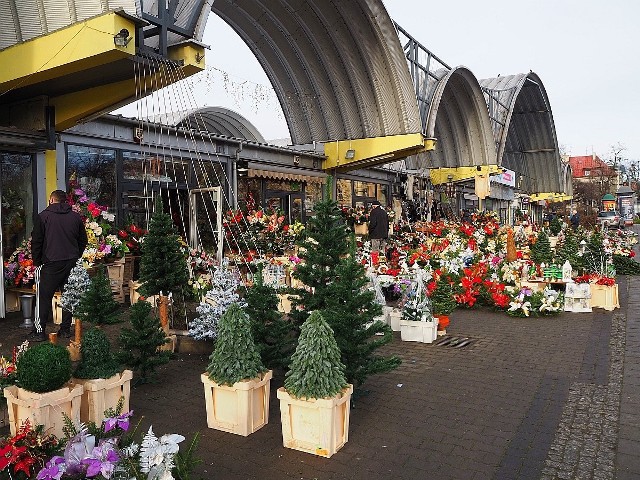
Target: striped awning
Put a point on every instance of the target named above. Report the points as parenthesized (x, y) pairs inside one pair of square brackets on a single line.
[(294, 177)]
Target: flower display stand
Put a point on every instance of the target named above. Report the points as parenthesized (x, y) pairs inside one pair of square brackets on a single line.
[(101, 394), (318, 426), (241, 408), (604, 296), (44, 408), (394, 319), (361, 229), (423, 332)]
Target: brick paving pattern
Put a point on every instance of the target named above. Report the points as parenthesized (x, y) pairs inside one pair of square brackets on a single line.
[(530, 398)]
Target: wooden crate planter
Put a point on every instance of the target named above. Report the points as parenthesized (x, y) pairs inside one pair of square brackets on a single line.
[(101, 394), (423, 332), (604, 296), (318, 426), (44, 408), (128, 272), (241, 408), (394, 319), (361, 229), (115, 272)]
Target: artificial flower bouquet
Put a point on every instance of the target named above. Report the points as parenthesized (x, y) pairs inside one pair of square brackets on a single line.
[(19, 269), (132, 236)]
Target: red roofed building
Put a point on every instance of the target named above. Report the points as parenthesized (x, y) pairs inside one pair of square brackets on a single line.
[(588, 166)]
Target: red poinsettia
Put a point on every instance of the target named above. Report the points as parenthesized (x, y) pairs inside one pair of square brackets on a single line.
[(28, 448), (608, 281), (467, 229)]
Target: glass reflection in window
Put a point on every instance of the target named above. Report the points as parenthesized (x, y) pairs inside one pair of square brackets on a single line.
[(95, 170), (17, 200)]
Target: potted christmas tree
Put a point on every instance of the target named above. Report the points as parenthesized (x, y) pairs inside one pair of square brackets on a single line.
[(271, 333), (163, 267), (541, 250), (76, 287), (442, 302), (417, 323), (141, 344), (96, 304), (236, 383), (101, 377), (43, 394), (315, 399)]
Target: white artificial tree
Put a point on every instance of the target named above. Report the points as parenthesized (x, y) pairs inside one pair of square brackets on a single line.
[(224, 292), (75, 288)]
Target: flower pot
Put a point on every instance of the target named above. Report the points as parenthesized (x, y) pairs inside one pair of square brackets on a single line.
[(44, 408), (604, 296), (241, 408), (423, 332), (394, 319), (101, 394), (317, 425), (443, 321)]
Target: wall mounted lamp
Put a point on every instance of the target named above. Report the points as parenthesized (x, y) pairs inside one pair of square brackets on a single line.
[(350, 154), (122, 39)]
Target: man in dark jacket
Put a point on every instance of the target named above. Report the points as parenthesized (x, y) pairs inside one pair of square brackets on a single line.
[(378, 227), (57, 242)]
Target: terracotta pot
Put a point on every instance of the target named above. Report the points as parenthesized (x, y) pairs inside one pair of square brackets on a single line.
[(443, 322)]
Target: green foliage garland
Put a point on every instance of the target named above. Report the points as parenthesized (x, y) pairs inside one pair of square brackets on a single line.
[(316, 370), (44, 368), (96, 361), (625, 265), (139, 344), (235, 356), (163, 267)]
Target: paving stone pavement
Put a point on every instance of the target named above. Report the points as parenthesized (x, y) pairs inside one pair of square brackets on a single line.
[(541, 398)]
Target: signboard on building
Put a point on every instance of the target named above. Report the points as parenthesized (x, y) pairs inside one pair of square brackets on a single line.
[(508, 178)]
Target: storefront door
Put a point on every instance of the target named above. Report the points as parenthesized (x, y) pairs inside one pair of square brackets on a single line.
[(288, 203)]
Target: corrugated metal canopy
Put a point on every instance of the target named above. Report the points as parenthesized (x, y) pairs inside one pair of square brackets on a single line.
[(217, 120), (524, 131), (337, 66), (459, 119)]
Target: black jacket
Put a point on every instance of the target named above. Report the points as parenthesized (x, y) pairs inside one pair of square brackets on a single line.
[(378, 223), (58, 234)]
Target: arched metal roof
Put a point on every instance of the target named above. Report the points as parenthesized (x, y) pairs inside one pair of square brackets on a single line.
[(337, 66), (524, 131), (459, 119), (217, 120), (567, 179)]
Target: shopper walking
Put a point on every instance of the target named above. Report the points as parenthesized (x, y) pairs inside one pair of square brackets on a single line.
[(57, 241), (378, 227)]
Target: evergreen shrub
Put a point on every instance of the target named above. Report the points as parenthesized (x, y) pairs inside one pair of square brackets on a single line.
[(44, 368), (97, 361), (97, 305)]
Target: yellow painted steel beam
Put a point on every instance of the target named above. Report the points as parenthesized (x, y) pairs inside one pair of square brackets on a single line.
[(345, 155), (550, 196), (66, 51), (77, 106), (51, 174), (438, 176)]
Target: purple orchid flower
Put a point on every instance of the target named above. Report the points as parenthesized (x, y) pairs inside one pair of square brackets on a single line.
[(121, 421), (52, 469)]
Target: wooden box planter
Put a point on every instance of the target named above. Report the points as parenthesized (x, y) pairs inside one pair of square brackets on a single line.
[(394, 319), (361, 229), (318, 425), (241, 408), (44, 408), (101, 394), (604, 296), (115, 272), (423, 332)]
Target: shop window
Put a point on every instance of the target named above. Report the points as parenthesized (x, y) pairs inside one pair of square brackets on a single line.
[(209, 174), (249, 193), (17, 200), (344, 193), (95, 170), (153, 167), (313, 194), (364, 189), (383, 194)]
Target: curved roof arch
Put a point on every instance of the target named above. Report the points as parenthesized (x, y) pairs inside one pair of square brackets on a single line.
[(567, 179), (333, 81), (217, 120), (524, 131), (459, 120)]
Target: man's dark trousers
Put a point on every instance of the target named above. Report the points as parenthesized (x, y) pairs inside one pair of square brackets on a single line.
[(53, 277)]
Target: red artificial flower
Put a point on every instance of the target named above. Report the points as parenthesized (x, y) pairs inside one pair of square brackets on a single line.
[(122, 234), (632, 254)]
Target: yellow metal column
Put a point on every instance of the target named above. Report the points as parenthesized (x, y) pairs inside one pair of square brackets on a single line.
[(50, 174)]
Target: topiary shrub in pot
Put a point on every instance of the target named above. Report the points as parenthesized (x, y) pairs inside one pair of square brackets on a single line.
[(101, 377), (43, 394), (236, 383), (315, 399)]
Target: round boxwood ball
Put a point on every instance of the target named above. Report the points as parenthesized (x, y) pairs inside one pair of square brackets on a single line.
[(43, 368)]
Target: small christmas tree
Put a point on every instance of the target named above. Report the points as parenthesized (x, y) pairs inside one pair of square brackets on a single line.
[(235, 356), (140, 343), (541, 250), (418, 307), (97, 304), (316, 370), (555, 226), (163, 267), (272, 334), (223, 293), (97, 360), (569, 249), (441, 297), (75, 288)]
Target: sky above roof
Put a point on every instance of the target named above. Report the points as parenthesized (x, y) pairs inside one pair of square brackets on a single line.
[(585, 51)]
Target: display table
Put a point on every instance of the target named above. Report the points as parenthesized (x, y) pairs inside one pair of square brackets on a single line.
[(539, 284)]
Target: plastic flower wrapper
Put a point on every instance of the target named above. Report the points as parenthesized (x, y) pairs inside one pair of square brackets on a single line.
[(156, 455)]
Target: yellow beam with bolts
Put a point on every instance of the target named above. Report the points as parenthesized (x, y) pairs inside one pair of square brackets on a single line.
[(550, 196), (438, 176), (76, 106), (66, 51), (345, 155)]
